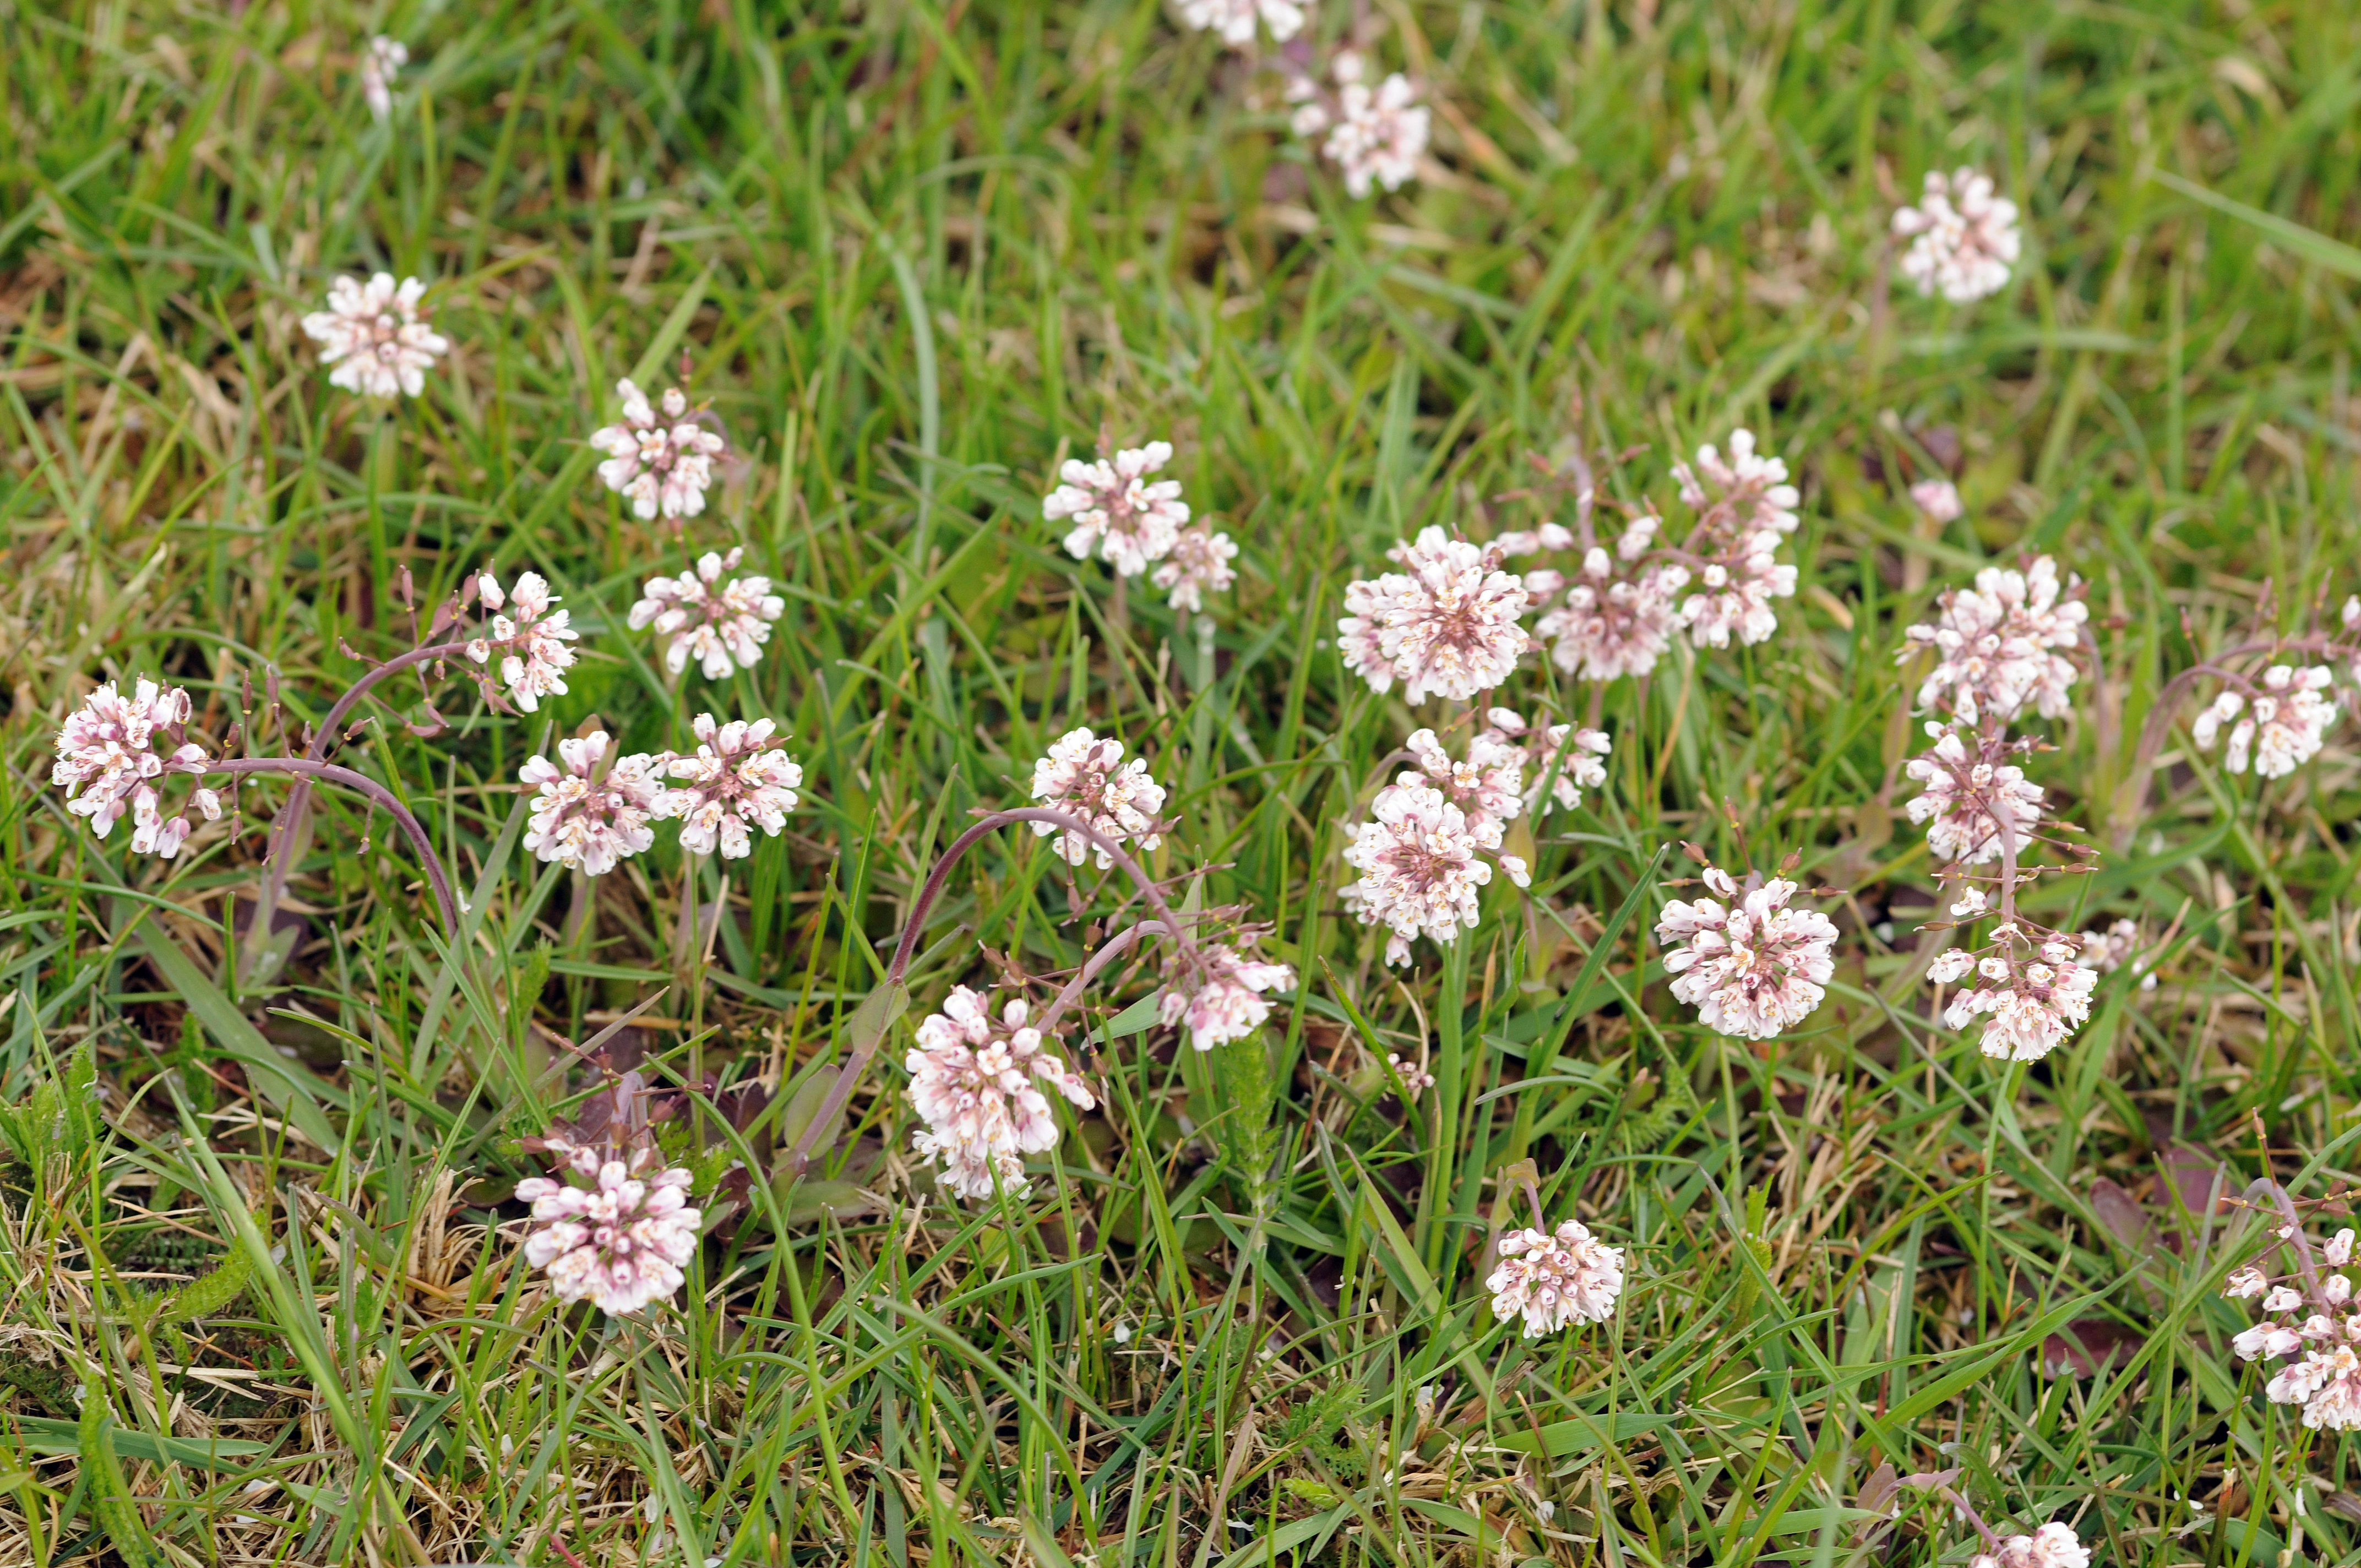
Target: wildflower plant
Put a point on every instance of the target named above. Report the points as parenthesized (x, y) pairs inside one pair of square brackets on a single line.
[(376, 337)]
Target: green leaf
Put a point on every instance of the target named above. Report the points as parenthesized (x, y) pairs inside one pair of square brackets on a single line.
[(288, 1087)]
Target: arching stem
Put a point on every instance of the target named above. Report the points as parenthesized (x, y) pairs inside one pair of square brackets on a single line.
[(304, 769)]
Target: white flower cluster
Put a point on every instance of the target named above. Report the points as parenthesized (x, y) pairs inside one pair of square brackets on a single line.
[(373, 334), (1995, 645), (619, 1241), (1217, 990), (1552, 1281), (1559, 760), (1431, 841), (1963, 238), (1376, 135), (380, 63), (1117, 511), (1619, 612), (2054, 1545), (1446, 625), (1085, 776), (528, 635), (972, 1081), (2280, 726), (109, 764), (721, 625), (1752, 968), (1938, 498), (661, 466), (592, 812), (1233, 20), (2315, 1331), (1968, 796), (2030, 992)]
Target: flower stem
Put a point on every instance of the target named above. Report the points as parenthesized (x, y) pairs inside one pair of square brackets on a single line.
[(305, 769)]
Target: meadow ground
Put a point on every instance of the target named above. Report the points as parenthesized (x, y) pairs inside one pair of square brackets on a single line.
[(264, 1295)]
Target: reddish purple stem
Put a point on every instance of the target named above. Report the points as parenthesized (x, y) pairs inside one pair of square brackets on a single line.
[(305, 769)]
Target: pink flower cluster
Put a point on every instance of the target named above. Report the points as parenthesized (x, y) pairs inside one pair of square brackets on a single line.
[(1445, 625), (1085, 775), (1619, 612), (1218, 989), (1968, 796), (1752, 967), (1376, 135), (972, 1081), (109, 764), (1558, 760), (2030, 990), (2280, 722), (660, 465), (1431, 839), (721, 625), (620, 1241), (1233, 20), (739, 777), (591, 812), (2312, 1326), (1552, 1281), (529, 636), (1995, 645), (1117, 511), (2054, 1545)]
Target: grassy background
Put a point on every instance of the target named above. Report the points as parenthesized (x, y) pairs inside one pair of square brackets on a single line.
[(917, 254)]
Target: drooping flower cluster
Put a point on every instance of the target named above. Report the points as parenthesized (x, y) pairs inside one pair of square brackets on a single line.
[(2312, 1326), (2280, 722), (376, 337), (1217, 988), (1963, 238), (620, 1241), (383, 60), (721, 625), (1973, 800), (1996, 644), (529, 637), (1431, 839), (1558, 760), (591, 812), (739, 777), (1445, 625), (1376, 135), (972, 1081), (1115, 511), (2026, 986), (2054, 1545), (114, 753), (1554, 1281), (663, 466), (1233, 20), (1752, 967), (1085, 776), (1619, 612)]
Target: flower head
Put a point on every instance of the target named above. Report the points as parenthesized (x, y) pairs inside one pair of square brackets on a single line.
[(115, 750), (2109, 950), (618, 1243), (1995, 644), (2322, 1352), (1447, 624), (591, 814), (972, 1081), (1487, 785), (1938, 498), (1745, 507), (1199, 565), (1377, 134), (1963, 238), (721, 625), (1554, 1281), (1754, 968), (384, 57), (1613, 620), (739, 777), (1117, 511), (373, 335), (1969, 796), (1558, 758), (659, 465), (1216, 988), (2284, 726), (1234, 19), (1087, 776), (530, 636), (2054, 1545), (2029, 1008), (1420, 862)]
